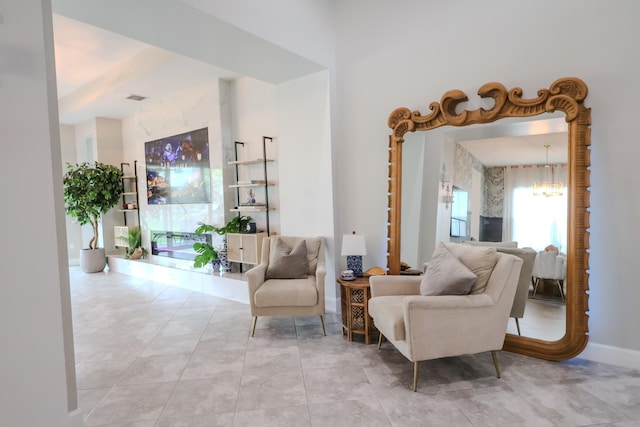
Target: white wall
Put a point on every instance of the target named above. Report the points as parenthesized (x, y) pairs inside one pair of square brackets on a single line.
[(305, 167), (37, 386), (109, 151), (409, 53), (74, 230)]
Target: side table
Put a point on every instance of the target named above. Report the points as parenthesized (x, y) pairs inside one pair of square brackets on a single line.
[(354, 296)]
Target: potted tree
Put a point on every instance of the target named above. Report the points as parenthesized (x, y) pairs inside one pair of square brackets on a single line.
[(90, 191), (206, 251)]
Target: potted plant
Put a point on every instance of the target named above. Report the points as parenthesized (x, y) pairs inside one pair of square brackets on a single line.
[(134, 243), (90, 191), (207, 253)]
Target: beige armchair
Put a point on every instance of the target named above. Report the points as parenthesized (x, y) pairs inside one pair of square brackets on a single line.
[(289, 281), (432, 327)]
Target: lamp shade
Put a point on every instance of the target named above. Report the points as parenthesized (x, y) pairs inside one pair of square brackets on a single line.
[(353, 244)]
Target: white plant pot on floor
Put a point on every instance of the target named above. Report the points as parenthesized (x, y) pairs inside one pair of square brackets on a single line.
[(92, 260)]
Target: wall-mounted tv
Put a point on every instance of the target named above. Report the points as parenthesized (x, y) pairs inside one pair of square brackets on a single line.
[(178, 170)]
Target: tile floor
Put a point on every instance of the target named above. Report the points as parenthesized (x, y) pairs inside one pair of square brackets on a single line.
[(149, 354)]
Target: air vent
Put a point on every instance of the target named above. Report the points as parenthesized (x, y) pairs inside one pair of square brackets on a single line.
[(136, 97)]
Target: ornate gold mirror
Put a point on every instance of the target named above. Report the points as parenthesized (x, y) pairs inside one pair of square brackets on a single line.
[(565, 95)]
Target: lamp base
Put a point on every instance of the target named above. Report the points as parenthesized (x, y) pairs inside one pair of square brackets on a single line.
[(354, 262)]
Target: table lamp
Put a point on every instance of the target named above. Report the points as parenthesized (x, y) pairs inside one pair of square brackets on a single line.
[(354, 247)]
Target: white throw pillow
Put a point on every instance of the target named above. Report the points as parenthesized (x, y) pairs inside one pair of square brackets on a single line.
[(446, 275), (479, 259)]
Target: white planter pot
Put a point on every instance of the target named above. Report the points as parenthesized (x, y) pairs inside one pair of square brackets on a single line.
[(92, 260)]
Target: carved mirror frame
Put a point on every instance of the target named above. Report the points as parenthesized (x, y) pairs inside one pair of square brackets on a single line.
[(566, 95)]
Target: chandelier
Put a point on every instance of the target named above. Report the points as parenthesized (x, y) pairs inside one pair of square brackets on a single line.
[(548, 187)]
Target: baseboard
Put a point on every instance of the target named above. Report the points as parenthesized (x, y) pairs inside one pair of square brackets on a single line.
[(331, 305), (76, 418), (612, 355)]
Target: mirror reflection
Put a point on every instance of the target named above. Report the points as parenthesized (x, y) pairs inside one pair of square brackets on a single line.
[(503, 185)]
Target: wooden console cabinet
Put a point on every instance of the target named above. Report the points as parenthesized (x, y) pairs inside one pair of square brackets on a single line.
[(245, 248)]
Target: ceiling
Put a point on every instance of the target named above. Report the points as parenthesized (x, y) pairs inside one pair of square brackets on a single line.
[(97, 70)]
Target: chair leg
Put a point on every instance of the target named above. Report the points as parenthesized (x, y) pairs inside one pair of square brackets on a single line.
[(495, 363), (324, 332), (560, 283), (415, 376), (535, 287), (379, 340), (253, 327), (517, 325)]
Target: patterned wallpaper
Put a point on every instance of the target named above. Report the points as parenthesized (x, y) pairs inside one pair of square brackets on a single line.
[(492, 196), (493, 203)]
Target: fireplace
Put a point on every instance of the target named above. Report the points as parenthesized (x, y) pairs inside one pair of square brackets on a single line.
[(176, 244)]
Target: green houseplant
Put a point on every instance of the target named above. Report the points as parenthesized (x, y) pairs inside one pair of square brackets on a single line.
[(134, 243), (90, 191), (206, 251)]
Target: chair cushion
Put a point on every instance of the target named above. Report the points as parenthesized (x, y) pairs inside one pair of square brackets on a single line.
[(287, 293), (479, 259), (446, 275), (286, 262), (388, 315), (313, 251)]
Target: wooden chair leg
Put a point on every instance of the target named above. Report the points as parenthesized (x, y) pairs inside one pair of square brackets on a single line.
[(324, 332), (253, 327), (535, 287), (379, 340), (560, 283), (495, 363), (415, 376)]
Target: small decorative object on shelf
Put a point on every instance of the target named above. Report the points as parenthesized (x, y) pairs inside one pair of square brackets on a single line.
[(251, 199)]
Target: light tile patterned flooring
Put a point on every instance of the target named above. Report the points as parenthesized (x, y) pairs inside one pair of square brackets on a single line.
[(149, 354)]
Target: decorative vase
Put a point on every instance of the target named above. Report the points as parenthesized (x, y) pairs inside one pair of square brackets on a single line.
[(92, 260), (225, 266), (215, 265)]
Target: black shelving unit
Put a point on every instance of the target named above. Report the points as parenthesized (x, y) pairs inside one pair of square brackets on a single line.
[(264, 183), (130, 192)]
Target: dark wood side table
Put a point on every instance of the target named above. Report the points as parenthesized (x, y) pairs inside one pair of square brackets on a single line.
[(354, 296)]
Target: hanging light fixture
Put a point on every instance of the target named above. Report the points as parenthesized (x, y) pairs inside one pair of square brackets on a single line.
[(548, 187)]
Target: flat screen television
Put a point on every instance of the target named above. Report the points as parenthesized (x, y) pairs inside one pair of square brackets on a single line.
[(490, 229), (178, 170)]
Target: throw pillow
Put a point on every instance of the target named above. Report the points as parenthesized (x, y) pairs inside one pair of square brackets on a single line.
[(479, 259), (446, 275), (286, 262)]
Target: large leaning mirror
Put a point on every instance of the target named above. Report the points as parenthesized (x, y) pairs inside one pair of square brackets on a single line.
[(508, 139)]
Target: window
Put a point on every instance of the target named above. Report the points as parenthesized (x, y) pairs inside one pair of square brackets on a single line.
[(460, 213)]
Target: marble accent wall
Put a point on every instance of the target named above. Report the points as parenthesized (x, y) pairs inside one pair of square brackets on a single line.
[(183, 112)]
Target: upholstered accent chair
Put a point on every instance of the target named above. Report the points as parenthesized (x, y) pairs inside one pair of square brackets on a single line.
[(424, 327), (549, 265), (289, 281), (528, 256)]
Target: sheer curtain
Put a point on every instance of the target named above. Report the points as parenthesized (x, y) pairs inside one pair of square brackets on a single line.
[(535, 221)]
